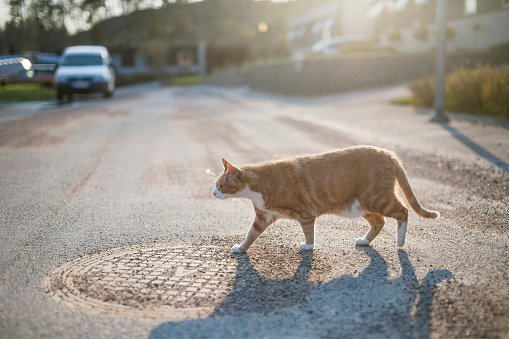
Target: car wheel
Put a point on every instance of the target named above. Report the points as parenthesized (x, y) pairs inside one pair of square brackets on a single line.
[(60, 96), (107, 94)]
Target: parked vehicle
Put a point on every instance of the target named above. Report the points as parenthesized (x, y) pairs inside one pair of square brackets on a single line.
[(11, 66), (334, 45), (85, 69), (43, 68)]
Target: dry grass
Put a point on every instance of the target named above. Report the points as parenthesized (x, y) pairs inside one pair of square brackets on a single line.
[(482, 90), (423, 91)]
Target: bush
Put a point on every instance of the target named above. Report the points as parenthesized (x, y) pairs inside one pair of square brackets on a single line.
[(421, 33), (449, 33), (124, 80), (463, 88), (394, 36), (482, 89), (423, 91), (495, 92)]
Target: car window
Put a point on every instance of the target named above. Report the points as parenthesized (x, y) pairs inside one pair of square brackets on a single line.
[(82, 60)]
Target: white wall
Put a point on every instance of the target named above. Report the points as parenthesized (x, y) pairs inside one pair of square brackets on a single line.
[(493, 30)]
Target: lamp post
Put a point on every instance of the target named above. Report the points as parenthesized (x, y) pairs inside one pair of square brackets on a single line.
[(439, 115)]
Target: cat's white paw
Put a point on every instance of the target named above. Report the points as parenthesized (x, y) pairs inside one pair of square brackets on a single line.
[(237, 249), (362, 241), (401, 234), (306, 247)]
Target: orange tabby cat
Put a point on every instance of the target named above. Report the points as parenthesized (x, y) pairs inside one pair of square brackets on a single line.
[(352, 182)]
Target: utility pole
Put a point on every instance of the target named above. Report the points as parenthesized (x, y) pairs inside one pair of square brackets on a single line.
[(439, 115)]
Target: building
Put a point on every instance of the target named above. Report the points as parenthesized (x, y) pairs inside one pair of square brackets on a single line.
[(330, 20), (408, 26)]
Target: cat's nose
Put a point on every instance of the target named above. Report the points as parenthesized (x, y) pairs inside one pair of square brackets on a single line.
[(217, 193)]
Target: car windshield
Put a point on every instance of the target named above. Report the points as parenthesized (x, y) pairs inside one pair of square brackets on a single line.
[(82, 60)]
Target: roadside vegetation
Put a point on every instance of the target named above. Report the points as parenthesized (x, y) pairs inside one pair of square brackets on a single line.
[(36, 92), (481, 90), (124, 80), (26, 92), (187, 80)]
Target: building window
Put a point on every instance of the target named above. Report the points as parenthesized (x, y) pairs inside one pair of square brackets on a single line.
[(470, 7)]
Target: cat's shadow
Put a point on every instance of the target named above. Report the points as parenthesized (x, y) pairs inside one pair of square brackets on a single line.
[(371, 304)]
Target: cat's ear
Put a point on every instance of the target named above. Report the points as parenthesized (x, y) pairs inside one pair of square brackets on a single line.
[(229, 167), (225, 163)]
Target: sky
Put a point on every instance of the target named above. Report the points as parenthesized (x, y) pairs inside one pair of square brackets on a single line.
[(4, 12)]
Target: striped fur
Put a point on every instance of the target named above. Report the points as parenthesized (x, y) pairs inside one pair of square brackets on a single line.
[(356, 180)]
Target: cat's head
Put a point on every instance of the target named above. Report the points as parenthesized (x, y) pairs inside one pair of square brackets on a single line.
[(230, 182)]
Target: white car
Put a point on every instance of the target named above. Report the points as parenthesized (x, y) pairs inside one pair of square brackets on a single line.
[(335, 45), (85, 69)]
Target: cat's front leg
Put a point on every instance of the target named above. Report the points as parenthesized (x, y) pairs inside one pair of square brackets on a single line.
[(308, 227), (251, 236), (261, 222)]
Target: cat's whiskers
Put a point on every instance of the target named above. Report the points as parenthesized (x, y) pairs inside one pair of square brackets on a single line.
[(210, 172), (212, 175)]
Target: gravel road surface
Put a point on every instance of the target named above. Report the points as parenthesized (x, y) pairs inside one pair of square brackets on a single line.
[(109, 228)]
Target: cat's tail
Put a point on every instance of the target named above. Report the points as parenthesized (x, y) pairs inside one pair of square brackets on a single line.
[(410, 196)]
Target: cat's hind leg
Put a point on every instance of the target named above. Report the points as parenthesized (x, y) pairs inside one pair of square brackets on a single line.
[(396, 210), (260, 223), (376, 223), (308, 227)]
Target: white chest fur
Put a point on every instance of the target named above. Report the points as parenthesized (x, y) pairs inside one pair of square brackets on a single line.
[(257, 199)]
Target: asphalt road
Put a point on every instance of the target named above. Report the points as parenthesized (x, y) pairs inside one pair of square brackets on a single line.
[(125, 182)]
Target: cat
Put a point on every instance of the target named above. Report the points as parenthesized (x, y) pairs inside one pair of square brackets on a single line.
[(353, 182)]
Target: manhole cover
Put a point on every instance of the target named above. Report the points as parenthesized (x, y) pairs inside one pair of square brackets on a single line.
[(153, 280)]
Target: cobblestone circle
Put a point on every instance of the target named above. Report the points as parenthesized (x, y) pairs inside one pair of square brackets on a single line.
[(151, 280)]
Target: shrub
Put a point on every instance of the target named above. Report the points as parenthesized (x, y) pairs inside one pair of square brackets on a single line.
[(123, 80), (423, 91), (450, 33), (481, 89), (476, 27), (463, 88), (495, 92), (394, 36), (421, 33)]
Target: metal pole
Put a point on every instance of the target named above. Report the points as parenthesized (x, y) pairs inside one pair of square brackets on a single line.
[(202, 57), (439, 115)]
